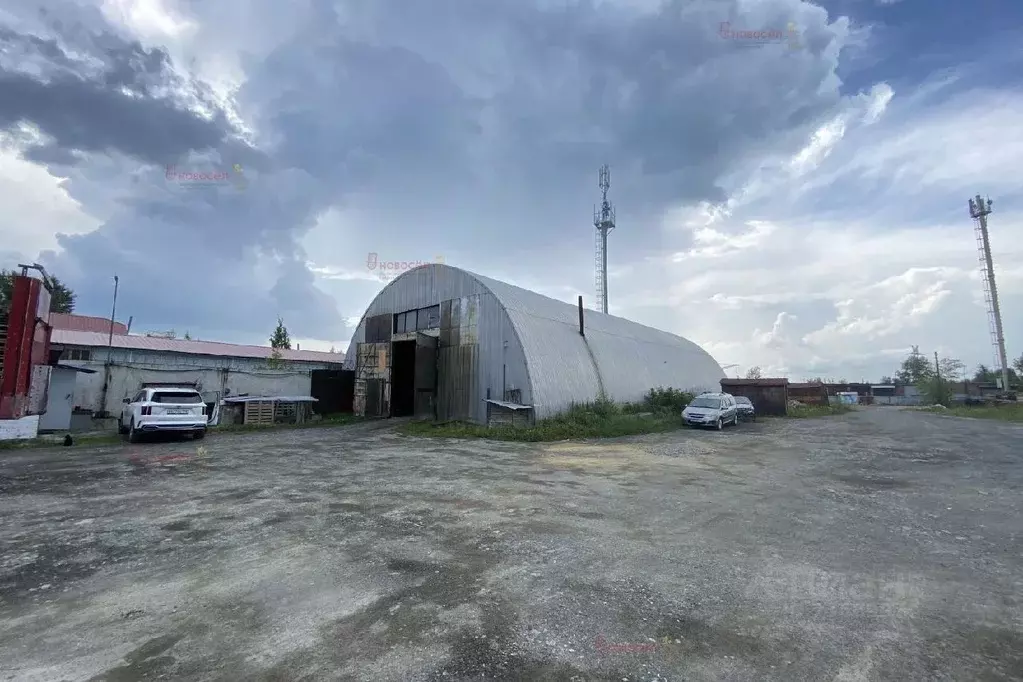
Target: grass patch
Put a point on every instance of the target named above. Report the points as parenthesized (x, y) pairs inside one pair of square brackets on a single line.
[(58, 441), (599, 419), (1006, 413), (807, 411)]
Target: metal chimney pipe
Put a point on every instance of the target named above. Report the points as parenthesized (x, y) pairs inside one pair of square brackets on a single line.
[(582, 332)]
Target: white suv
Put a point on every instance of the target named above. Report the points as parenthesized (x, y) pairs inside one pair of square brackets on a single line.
[(167, 408)]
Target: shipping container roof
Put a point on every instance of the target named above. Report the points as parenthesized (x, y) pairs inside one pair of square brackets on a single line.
[(69, 337)]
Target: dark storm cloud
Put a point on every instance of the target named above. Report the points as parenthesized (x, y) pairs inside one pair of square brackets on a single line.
[(399, 86), (449, 114), (185, 254), (114, 111), (487, 122)]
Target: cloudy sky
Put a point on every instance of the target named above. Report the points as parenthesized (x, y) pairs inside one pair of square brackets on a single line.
[(790, 178)]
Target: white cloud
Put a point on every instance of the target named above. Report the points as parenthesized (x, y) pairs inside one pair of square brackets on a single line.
[(813, 230)]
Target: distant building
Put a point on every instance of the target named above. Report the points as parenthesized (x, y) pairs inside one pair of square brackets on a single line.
[(218, 369), (770, 397)]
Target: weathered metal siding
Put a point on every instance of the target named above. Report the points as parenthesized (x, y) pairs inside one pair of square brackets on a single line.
[(425, 382), (497, 361), (769, 397), (372, 379), (631, 357), (531, 343)]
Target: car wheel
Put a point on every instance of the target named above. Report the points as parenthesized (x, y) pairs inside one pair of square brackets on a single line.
[(735, 420), (134, 435), (120, 427), (199, 434), (720, 424)]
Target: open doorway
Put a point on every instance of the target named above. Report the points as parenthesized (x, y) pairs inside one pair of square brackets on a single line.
[(403, 378)]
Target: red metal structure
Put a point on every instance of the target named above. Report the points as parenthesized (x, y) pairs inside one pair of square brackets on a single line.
[(26, 347)]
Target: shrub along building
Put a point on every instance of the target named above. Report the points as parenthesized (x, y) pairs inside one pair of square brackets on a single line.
[(442, 343)]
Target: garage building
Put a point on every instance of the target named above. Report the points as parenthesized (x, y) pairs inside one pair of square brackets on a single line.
[(125, 363), (442, 343)]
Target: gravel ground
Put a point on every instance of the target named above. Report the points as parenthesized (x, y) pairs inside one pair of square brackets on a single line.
[(884, 544)]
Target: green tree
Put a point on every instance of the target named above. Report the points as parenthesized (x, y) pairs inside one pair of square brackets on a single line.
[(983, 374), (62, 299), (754, 373), (915, 369), (936, 387), (280, 338), (1018, 364), (988, 375), (952, 369), (187, 337)]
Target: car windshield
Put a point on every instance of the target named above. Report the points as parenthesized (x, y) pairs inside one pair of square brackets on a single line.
[(177, 398), (742, 401), (711, 403)]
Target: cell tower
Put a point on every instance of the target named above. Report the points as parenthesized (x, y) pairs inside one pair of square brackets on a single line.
[(980, 209), (604, 221)]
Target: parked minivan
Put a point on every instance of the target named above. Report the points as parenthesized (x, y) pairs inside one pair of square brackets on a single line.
[(711, 409)]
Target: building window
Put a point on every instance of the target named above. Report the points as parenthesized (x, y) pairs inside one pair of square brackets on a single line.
[(84, 354), (429, 318), (405, 322), (416, 320)]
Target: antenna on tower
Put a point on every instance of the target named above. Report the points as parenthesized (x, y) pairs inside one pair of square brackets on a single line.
[(980, 209), (604, 221)]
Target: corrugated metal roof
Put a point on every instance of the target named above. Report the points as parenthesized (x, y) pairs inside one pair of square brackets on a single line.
[(152, 343), (560, 365), (632, 358), (85, 323)]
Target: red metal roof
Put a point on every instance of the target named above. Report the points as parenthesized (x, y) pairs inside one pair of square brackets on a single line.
[(85, 323), (69, 337)]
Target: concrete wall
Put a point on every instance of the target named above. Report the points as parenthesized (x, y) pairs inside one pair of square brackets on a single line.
[(16, 429), (130, 368)]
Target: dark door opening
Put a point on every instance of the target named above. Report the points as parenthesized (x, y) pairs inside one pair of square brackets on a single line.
[(403, 378), (334, 390)]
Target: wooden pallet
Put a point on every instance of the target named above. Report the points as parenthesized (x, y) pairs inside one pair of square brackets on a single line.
[(259, 412)]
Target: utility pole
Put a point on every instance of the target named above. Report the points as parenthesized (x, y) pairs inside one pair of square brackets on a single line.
[(113, 314), (106, 365), (937, 367), (979, 211)]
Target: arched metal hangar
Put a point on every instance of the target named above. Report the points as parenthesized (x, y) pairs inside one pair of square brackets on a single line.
[(440, 342)]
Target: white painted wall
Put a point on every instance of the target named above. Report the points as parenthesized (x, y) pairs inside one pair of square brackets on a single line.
[(16, 429), (130, 368), (59, 401)]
